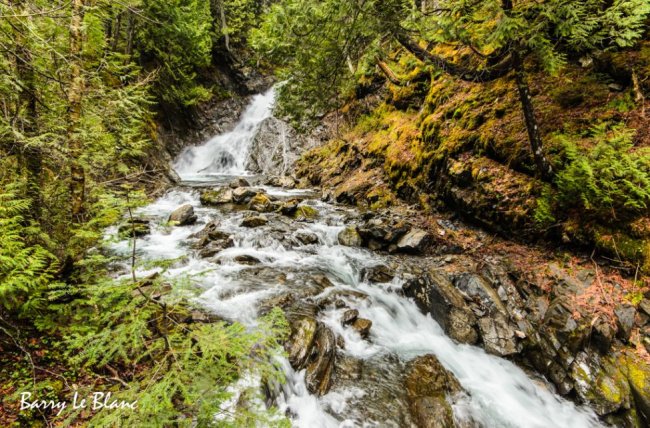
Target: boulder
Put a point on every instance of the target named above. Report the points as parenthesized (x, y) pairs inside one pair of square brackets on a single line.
[(183, 216), (239, 182), (216, 197), (215, 247), (350, 237), (349, 316), (429, 386), (320, 369), (303, 332), (261, 203), (242, 195), (307, 238), (275, 148), (414, 242), (305, 212), (283, 181), (378, 274), (362, 326), (247, 260), (289, 207), (434, 293), (625, 321), (498, 335), (254, 221)]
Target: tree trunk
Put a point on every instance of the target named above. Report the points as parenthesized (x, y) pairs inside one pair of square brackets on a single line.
[(75, 94), (31, 156), (543, 166)]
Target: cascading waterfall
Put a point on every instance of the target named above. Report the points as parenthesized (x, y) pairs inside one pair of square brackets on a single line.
[(499, 394), (226, 154)]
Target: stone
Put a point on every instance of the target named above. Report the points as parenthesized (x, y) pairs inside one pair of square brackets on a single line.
[(183, 216), (499, 338), (378, 274), (362, 326), (414, 242), (644, 306), (275, 148), (215, 247), (239, 182), (260, 203), (216, 197), (242, 195), (254, 221), (303, 333), (289, 207), (349, 316), (247, 260), (624, 321), (320, 369), (350, 237), (428, 387), (434, 293), (307, 238), (285, 181), (305, 212)]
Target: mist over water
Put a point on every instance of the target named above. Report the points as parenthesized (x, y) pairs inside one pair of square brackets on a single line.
[(498, 393)]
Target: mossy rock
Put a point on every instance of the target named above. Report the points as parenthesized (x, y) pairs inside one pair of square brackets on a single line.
[(216, 197), (620, 244), (305, 212), (261, 203)]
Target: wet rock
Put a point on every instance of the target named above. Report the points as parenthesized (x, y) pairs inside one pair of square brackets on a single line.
[(275, 148), (260, 203), (499, 337), (289, 207), (428, 387), (134, 228), (254, 221), (307, 238), (239, 182), (349, 316), (183, 216), (303, 333), (378, 274), (216, 197), (434, 293), (247, 260), (215, 247), (243, 195), (282, 301), (320, 368), (479, 290), (305, 212), (600, 383), (362, 326), (414, 242), (350, 237), (625, 321), (286, 182)]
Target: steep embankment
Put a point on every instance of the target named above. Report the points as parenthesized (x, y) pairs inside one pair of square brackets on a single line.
[(440, 142), (579, 292)]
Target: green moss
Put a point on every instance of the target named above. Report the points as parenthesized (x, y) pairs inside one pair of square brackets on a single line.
[(305, 212)]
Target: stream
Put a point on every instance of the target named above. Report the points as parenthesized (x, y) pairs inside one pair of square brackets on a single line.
[(497, 393)]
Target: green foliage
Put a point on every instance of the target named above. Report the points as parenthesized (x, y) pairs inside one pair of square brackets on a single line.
[(610, 182), (183, 368), (26, 268), (175, 39)]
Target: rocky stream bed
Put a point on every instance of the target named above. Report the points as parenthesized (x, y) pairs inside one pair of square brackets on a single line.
[(387, 327)]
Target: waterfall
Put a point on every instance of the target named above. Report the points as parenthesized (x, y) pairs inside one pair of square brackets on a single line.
[(226, 154)]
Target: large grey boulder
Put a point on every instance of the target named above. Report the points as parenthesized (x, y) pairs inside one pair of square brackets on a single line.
[(275, 149), (183, 216)]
